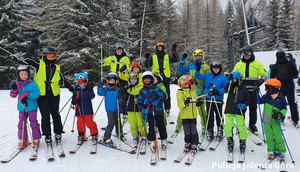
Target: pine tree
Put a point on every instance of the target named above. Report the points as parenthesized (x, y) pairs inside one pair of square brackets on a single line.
[(273, 11), (286, 32)]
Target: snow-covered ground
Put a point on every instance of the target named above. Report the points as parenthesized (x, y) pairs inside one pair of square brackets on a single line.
[(108, 159)]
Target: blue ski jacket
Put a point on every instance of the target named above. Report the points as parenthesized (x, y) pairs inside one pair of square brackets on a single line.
[(111, 94)]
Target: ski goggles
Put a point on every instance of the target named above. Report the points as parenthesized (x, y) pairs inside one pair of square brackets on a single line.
[(248, 53), (270, 87), (82, 81), (216, 64), (159, 44), (22, 67), (198, 53), (118, 47), (50, 56), (133, 75)]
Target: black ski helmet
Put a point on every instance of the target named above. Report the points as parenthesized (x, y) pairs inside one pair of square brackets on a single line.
[(247, 50), (22, 68), (112, 75), (216, 64), (49, 50)]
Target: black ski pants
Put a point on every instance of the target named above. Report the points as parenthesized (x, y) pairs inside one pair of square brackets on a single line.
[(156, 120), (167, 102), (290, 95), (212, 109), (190, 131)]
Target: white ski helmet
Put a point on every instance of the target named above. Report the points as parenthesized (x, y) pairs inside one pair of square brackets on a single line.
[(147, 74)]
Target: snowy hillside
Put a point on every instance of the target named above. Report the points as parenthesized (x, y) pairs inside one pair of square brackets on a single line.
[(108, 159)]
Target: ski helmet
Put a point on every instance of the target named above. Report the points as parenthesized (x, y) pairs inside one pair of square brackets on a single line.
[(133, 75), (272, 86), (118, 46), (247, 50), (236, 75), (216, 64), (112, 75), (49, 50), (158, 77), (199, 52), (81, 78), (185, 81), (22, 68), (288, 55), (160, 44), (135, 64), (147, 75), (280, 54)]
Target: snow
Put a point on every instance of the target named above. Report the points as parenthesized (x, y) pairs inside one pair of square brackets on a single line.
[(108, 159)]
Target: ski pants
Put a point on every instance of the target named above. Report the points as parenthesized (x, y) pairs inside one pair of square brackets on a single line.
[(49, 104), (156, 120), (274, 138), (113, 121), (136, 123), (252, 108), (167, 102), (35, 126), (290, 95), (240, 125), (87, 120), (214, 108), (190, 131)]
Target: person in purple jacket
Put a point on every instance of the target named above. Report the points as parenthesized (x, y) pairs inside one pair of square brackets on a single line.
[(28, 92)]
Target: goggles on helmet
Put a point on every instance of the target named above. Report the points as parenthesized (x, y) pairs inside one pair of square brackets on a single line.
[(159, 44)]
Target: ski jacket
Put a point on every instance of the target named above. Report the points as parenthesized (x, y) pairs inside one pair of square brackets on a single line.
[(116, 64), (293, 61), (85, 100), (26, 87), (111, 97), (287, 85), (236, 95), (190, 69), (271, 106), (132, 98), (189, 111), (217, 81), (151, 99)]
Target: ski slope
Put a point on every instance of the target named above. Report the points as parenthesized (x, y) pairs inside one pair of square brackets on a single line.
[(108, 159)]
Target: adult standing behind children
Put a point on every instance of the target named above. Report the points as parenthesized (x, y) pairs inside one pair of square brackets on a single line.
[(254, 75), (160, 63), (283, 70), (48, 76)]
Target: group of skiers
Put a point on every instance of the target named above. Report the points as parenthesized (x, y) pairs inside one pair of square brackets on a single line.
[(143, 98)]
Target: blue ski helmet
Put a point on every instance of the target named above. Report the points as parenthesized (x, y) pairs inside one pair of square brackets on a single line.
[(236, 75)]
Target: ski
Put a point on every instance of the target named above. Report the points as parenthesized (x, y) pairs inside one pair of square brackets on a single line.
[(153, 160), (33, 156), (173, 137), (76, 148), (124, 141), (163, 154), (180, 157), (265, 164), (94, 148), (256, 139), (201, 138), (143, 147), (242, 157), (115, 147), (60, 150), (205, 145), (50, 154), (291, 121), (189, 161), (168, 118), (230, 157), (216, 143), (13, 154), (283, 167)]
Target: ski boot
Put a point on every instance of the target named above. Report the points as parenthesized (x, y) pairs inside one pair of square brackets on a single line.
[(81, 138), (296, 125), (109, 142), (271, 155), (36, 143), (143, 146), (253, 129), (135, 142), (58, 139), (48, 141), (164, 144), (242, 145), (194, 148), (23, 143), (187, 147), (230, 144), (210, 135), (281, 157), (220, 134), (152, 146), (94, 139)]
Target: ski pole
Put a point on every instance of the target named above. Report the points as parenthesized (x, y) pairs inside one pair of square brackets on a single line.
[(76, 107), (252, 150), (101, 66), (293, 161), (221, 122), (14, 55), (28, 126), (65, 105), (67, 115), (23, 126), (262, 127), (98, 107), (155, 134), (119, 129), (140, 145)]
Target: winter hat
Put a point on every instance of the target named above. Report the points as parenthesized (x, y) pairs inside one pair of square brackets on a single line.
[(289, 55), (280, 54), (81, 78), (22, 68)]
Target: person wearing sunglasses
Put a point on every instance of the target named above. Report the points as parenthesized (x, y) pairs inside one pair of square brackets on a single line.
[(254, 75), (47, 76), (160, 63)]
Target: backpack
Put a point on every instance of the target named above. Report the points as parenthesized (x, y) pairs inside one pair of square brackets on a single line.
[(283, 72)]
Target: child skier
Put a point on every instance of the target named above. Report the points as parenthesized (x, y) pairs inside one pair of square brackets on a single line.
[(150, 102), (28, 92), (134, 117), (82, 99), (214, 85), (237, 101), (188, 112), (274, 111), (111, 93)]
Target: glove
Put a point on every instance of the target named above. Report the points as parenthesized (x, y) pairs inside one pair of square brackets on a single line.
[(24, 101), (129, 86), (259, 82), (174, 47), (187, 101), (277, 115), (33, 46), (198, 65), (124, 67), (147, 55), (71, 89), (152, 86), (13, 85), (90, 87), (184, 57), (21, 96), (199, 102), (241, 106), (213, 92), (230, 77)]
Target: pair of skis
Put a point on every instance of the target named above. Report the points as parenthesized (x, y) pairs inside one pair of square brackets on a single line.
[(163, 156), (50, 153), (230, 157), (267, 163), (78, 146), (190, 159)]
